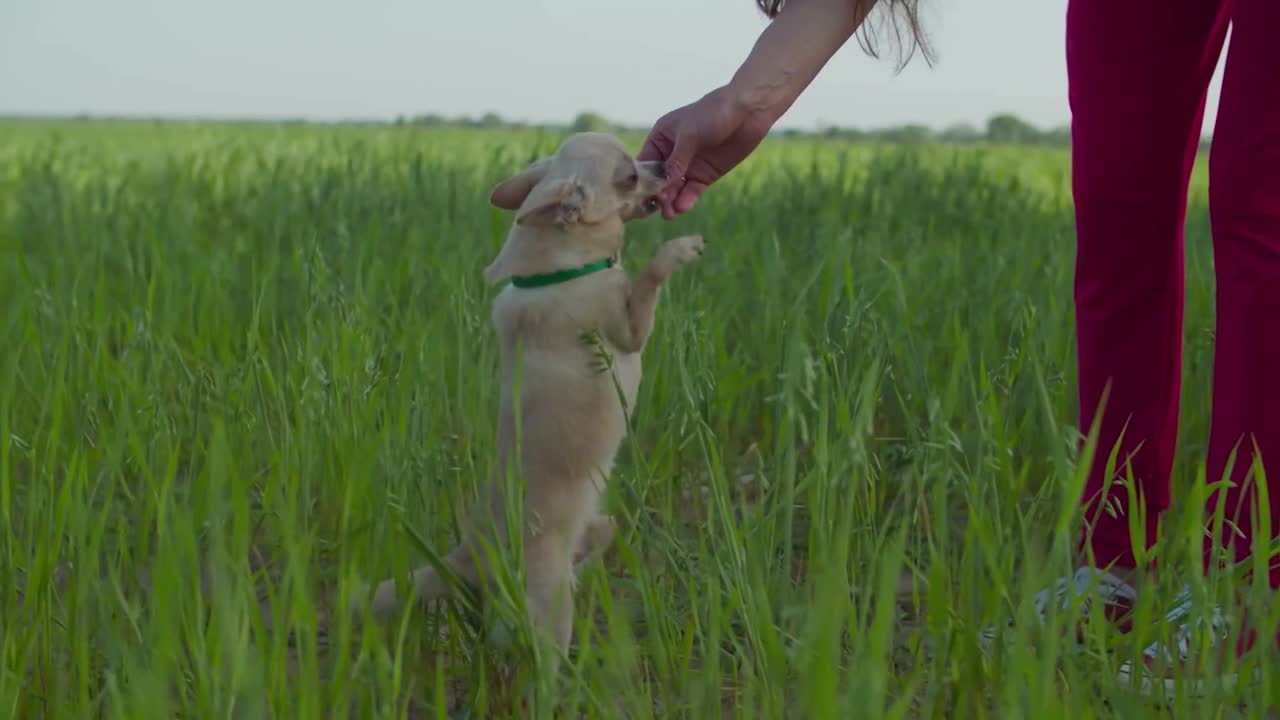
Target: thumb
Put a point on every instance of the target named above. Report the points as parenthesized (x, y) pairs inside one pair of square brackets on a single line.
[(653, 146)]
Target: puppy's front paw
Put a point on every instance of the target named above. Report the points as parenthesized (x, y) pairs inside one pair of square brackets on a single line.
[(682, 250)]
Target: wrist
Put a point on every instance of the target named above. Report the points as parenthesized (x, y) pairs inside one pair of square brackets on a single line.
[(764, 99)]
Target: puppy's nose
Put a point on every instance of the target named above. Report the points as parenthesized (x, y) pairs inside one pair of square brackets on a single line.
[(658, 168)]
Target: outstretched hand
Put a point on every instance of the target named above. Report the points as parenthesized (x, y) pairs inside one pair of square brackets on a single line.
[(704, 140), (700, 143)]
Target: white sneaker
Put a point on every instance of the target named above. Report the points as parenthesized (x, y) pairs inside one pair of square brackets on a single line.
[(1168, 665), (1078, 591)]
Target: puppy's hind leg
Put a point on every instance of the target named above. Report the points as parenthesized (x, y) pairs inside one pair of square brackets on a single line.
[(549, 585)]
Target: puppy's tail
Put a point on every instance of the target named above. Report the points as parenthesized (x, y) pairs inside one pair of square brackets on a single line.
[(428, 584)]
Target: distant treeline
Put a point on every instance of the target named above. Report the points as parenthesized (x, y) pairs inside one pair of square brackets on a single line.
[(1002, 128)]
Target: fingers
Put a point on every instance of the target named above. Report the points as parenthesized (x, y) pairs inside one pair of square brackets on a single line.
[(677, 164), (689, 195), (681, 199), (669, 196), (685, 147), (676, 146), (666, 201), (658, 146)]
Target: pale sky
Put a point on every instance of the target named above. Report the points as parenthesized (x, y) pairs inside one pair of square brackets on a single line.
[(539, 60)]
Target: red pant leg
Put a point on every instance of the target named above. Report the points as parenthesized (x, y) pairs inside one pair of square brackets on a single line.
[(1138, 73), (1244, 207)]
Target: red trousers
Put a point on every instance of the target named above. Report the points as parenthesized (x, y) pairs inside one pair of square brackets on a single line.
[(1138, 74)]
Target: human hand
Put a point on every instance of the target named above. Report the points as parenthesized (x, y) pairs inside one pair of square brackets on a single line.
[(700, 143)]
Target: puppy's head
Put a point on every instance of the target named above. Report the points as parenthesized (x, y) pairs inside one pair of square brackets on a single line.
[(575, 202), (590, 180)]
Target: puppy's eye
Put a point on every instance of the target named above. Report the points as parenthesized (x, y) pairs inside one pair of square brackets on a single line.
[(633, 177)]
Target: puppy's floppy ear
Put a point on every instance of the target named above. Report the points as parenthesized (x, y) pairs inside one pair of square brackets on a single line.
[(556, 202), (510, 193)]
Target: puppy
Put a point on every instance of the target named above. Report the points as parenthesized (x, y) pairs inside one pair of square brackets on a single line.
[(571, 327)]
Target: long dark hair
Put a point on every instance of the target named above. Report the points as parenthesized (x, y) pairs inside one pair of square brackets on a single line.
[(903, 19)]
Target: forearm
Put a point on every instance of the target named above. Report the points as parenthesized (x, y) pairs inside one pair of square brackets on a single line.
[(792, 50)]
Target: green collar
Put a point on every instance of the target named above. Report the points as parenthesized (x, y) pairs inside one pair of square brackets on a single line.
[(552, 278)]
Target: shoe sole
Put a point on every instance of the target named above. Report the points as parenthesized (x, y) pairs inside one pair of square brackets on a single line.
[(1148, 683)]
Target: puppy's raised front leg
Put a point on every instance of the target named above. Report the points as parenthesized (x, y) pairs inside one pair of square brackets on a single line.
[(642, 295)]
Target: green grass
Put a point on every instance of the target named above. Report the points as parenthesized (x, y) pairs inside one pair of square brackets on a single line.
[(245, 366)]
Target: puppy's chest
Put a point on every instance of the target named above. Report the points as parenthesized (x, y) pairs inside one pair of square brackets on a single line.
[(561, 341), (558, 322)]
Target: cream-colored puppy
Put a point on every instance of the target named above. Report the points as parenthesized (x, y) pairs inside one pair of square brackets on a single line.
[(571, 327)]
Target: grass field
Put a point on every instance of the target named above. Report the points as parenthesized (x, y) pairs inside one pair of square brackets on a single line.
[(245, 367)]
